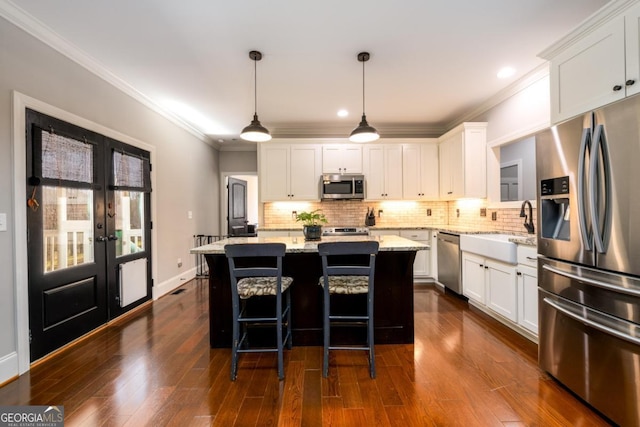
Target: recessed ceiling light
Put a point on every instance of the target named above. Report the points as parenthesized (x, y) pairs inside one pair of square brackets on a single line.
[(506, 72), (343, 113)]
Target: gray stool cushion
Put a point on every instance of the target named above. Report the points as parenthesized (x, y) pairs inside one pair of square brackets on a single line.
[(347, 285), (258, 286)]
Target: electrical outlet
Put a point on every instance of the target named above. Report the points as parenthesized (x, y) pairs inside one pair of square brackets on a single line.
[(483, 211), (380, 213), (189, 215), (179, 262), (428, 212), (294, 214), (494, 216), (457, 213)]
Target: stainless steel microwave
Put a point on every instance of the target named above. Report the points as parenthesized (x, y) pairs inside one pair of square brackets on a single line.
[(342, 186)]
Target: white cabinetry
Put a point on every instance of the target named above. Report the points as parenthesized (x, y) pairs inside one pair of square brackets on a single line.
[(490, 283), (473, 280), (502, 289), (527, 288), (382, 165), (280, 233), (595, 65), (505, 291), (463, 162), (420, 171), (341, 158), (422, 263), (290, 172)]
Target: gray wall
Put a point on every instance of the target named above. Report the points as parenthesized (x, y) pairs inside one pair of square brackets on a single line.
[(187, 173), (238, 161)]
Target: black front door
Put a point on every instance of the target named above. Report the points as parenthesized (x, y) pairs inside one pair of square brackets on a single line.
[(78, 219)]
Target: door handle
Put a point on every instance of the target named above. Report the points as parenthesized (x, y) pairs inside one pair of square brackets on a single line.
[(101, 239), (112, 237)]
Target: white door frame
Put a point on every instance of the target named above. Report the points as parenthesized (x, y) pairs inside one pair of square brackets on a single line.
[(223, 198), (21, 281)]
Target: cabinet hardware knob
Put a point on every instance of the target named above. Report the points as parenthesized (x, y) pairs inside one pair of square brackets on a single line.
[(519, 274), (616, 88), (486, 268), (630, 82)]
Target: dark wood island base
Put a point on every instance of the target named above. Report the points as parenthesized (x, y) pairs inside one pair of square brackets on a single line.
[(393, 297)]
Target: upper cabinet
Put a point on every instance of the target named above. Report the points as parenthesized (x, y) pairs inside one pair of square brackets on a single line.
[(597, 64), (463, 162), (290, 171), (342, 158), (420, 171), (382, 165)]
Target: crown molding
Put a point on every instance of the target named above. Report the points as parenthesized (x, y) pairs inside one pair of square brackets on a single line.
[(538, 73), (333, 130), (40, 31), (605, 14)]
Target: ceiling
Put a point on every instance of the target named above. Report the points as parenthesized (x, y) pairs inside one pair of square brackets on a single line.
[(431, 61)]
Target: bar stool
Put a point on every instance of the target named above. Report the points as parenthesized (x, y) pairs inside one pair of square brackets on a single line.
[(348, 268), (259, 274)]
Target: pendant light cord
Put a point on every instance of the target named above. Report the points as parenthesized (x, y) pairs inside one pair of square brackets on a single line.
[(255, 87), (363, 91)]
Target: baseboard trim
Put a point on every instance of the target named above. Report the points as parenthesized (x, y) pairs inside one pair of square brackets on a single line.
[(8, 368), (173, 283)]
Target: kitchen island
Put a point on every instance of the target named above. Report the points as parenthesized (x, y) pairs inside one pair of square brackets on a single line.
[(393, 295)]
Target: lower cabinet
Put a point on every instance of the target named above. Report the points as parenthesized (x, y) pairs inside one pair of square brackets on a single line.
[(490, 283), (280, 233), (422, 263), (505, 291), (528, 288), (528, 303)]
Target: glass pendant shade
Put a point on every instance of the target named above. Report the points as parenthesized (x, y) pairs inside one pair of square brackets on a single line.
[(364, 132), (255, 132)]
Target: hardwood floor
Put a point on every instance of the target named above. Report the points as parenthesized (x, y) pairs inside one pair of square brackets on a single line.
[(156, 368)]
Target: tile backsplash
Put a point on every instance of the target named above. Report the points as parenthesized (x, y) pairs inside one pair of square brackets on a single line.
[(463, 213)]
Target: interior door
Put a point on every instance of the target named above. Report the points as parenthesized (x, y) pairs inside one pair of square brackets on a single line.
[(82, 230), (236, 206)]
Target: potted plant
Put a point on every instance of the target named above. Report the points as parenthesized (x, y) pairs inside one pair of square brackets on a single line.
[(312, 224)]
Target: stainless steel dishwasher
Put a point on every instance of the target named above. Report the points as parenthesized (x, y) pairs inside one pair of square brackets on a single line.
[(449, 267)]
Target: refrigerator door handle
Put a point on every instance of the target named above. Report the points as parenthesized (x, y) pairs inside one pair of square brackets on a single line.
[(593, 324), (585, 143), (593, 282), (600, 151)]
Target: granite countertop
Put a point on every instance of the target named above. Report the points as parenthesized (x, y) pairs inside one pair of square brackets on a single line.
[(528, 240), (298, 244), (522, 240)]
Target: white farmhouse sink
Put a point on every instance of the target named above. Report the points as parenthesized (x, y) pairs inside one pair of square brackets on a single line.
[(496, 246)]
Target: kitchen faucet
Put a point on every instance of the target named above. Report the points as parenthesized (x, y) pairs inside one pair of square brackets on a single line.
[(527, 224)]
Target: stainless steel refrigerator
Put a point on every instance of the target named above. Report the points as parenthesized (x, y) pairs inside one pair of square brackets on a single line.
[(588, 172)]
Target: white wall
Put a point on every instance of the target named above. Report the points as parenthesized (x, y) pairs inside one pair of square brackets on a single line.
[(186, 169), (524, 151), (525, 111)]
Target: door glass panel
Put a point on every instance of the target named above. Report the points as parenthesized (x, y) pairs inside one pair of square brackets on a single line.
[(67, 227), (129, 209)]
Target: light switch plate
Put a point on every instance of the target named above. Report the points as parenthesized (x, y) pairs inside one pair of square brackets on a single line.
[(3, 222)]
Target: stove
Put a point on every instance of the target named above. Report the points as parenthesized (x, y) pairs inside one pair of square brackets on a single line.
[(345, 231)]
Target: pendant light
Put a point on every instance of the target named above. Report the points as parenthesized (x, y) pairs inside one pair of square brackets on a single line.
[(364, 132), (255, 132)]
